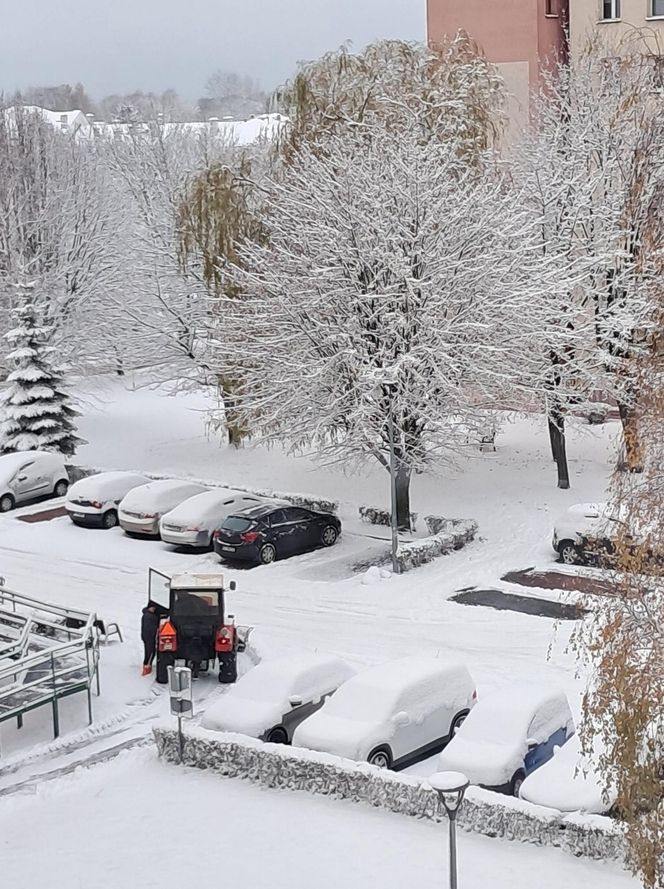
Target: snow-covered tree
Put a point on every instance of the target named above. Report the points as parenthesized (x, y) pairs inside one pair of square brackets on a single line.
[(55, 227), (393, 279), (36, 411), (594, 164), (446, 92)]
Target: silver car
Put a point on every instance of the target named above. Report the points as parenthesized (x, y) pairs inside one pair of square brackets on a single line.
[(193, 522), (26, 475), (142, 508)]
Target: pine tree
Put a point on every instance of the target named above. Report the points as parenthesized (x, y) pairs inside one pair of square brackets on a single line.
[(35, 411)]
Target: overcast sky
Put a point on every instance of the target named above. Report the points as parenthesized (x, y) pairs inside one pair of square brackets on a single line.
[(122, 45)]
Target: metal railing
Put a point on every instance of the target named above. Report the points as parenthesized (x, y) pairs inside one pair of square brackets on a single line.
[(66, 662)]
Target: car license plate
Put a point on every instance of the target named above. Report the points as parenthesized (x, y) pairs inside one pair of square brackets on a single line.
[(78, 515), (227, 549)]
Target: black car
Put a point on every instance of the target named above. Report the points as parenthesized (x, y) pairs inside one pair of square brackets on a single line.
[(265, 533)]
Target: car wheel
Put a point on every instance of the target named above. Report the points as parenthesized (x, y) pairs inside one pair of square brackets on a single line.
[(109, 519), (267, 554), (61, 488), (7, 502), (569, 553), (278, 736), (516, 782), (329, 535), (457, 722), (380, 757)]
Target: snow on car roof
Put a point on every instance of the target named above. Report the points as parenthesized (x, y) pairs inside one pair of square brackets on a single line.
[(9, 463), (300, 673), (106, 482), (160, 493), (210, 504), (508, 712), (375, 692)]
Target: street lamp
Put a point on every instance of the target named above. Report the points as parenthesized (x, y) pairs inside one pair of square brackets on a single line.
[(451, 787), (389, 389)]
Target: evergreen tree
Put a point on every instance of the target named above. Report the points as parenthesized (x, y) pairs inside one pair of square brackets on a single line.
[(35, 411)]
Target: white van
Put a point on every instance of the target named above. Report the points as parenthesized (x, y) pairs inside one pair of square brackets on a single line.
[(392, 714), (27, 475), (93, 501)]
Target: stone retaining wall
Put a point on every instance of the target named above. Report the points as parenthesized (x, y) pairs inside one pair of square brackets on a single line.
[(295, 769)]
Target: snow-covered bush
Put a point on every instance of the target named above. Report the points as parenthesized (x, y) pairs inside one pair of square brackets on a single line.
[(34, 409), (292, 768), (435, 523), (377, 516), (455, 534)]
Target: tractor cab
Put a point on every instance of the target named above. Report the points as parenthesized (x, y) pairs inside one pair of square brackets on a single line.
[(195, 629)]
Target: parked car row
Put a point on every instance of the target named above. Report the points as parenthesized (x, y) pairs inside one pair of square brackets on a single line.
[(398, 713), (239, 525)]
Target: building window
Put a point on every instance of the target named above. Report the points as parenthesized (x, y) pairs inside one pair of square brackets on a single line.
[(551, 7), (611, 10), (657, 8)]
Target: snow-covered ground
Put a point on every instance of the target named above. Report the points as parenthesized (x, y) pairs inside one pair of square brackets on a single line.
[(311, 602), (139, 823)]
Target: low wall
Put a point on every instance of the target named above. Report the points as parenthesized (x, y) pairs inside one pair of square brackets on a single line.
[(289, 768)]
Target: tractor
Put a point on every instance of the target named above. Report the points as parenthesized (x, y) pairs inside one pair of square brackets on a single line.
[(194, 629)]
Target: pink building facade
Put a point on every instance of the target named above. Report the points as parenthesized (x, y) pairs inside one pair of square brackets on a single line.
[(519, 36)]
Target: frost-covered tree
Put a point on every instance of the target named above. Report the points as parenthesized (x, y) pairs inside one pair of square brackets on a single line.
[(55, 227), (446, 92), (389, 264), (594, 164), (35, 411)]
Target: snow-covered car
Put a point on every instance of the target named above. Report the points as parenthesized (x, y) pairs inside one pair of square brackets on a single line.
[(142, 508), (569, 782), (508, 735), (193, 522), (579, 522), (27, 475), (392, 714), (273, 698), (93, 501)]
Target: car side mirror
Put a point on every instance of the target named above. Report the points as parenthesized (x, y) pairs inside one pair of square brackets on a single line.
[(295, 700), (532, 742), (232, 586), (402, 719)]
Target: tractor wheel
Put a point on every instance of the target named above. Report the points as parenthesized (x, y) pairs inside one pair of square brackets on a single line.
[(228, 667), (165, 660)]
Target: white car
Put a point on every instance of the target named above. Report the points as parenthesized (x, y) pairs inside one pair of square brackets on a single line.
[(272, 699), (392, 714), (508, 735), (26, 475), (193, 522), (569, 782), (582, 520), (93, 501), (142, 508)]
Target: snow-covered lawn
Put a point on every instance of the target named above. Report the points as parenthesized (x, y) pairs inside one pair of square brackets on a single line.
[(137, 822)]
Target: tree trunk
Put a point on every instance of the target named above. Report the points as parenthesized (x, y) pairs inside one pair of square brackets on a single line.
[(633, 449), (403, 498), (559, 448)]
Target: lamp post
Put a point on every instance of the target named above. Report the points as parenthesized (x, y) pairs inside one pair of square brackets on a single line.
[(451, 787), (389, 389)]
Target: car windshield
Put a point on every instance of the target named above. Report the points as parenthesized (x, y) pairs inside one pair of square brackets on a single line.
[(236, 523), (195, 603), (265, 685)]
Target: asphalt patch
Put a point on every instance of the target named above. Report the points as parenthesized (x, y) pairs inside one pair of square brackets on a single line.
[(521, 604), (44, 516)]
